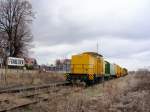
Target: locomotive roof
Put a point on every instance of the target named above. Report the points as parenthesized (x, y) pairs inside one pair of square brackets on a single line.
[(93, 53)]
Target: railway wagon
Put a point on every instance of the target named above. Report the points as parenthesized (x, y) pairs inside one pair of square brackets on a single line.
[(117, 70), (112, 70), (87, 67), (122, 74), (125, 71), (107, 69)]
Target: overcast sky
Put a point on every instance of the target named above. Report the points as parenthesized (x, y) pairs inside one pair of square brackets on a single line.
[(66, 27)]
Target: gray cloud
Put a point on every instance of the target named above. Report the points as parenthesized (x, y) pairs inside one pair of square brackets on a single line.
[(64, 27), (67, 22)]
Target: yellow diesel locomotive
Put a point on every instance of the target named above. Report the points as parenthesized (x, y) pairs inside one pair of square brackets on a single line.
[(90, 67)]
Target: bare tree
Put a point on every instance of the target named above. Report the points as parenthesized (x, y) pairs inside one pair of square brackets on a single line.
[(15, 19)]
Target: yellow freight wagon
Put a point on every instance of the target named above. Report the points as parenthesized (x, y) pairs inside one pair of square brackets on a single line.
[(120, 72), (117, 70), (86, 66)]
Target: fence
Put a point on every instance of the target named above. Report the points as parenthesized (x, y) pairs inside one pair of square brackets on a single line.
[(9, 76)]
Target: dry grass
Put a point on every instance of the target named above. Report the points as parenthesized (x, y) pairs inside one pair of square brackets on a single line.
[(20, 77), (126, 94)]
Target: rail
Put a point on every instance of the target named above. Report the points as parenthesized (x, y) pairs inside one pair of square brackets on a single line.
[(36, 97), (36, 87)]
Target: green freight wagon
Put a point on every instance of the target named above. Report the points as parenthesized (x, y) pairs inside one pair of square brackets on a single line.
[(125, 71), (107, 69), (112, 70)]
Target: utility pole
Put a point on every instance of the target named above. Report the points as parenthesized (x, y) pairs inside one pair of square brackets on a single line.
[(97, 47), (103, 81), (6, 52), (97, 58)]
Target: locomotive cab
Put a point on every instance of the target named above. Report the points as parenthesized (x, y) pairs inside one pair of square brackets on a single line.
[(86, 67)]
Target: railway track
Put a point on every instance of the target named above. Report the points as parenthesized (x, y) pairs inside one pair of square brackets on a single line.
[(26, 100), (29, 95), (34, 94), (35, 87)]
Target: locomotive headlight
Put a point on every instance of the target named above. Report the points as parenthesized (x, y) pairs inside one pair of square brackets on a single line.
[(66, 75)]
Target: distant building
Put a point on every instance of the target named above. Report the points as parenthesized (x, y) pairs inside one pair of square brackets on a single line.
[(143, 69), (149, 68), (63, 65), (30, 63), (52, 68)]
